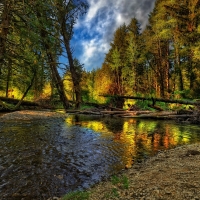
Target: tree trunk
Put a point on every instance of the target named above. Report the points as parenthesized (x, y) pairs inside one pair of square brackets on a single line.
[(26, 92), (167, 69), (178, 70), (8, 79), (4, 30), (154, 99), (74, 73), (15, 101), (161, 70), (56, 77)]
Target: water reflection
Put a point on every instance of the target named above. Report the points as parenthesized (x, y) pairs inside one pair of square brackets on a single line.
[(46, 158), (140, 138)]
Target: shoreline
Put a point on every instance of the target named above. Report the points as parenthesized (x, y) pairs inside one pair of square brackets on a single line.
[(31, 115), (171, 174)]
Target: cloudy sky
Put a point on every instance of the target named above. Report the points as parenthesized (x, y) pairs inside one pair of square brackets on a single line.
[(94, 32)]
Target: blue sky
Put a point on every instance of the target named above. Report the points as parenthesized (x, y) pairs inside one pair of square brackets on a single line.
[(94, 31)]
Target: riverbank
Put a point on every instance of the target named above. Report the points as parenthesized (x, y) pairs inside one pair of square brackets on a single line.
[(171, 174), (31, 115)]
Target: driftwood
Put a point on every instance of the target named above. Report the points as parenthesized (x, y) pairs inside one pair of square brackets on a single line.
[(156, 99)]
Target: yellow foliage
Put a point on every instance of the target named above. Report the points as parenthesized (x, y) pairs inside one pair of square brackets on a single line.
[(128, 101), (12, 93), (47, 90), (68, 85)]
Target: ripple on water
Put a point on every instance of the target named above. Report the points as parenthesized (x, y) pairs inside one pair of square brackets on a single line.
[(39, 159)]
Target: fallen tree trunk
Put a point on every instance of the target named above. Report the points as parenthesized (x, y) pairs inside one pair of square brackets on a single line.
[(155, 107), (102, 106), (143, 114), (126, 112), (109, 112), (165, 116), (156, 99), (182, 115), (15, 101)]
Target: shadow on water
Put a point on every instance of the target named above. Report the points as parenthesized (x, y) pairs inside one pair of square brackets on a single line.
[(42, 159)]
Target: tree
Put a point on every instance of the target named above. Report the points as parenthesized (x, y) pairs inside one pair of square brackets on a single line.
[(116, 58), (17, 59), (103, 83), (186, 37), (67, 14), (48, 43), (135, 61)]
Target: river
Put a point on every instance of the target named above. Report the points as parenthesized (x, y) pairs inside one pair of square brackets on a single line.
[(45, 158)]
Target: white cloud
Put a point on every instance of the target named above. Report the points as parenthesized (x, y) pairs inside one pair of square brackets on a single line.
[(93, 51), (94, 6), (101, 21)]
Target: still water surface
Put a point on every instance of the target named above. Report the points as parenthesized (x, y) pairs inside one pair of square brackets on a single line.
[(46, 158)]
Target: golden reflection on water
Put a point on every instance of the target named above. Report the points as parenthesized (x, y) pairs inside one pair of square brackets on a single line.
[(140, 137)]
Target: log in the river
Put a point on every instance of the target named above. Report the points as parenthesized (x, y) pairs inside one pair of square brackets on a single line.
[(165, 116), (156, 99), (15, 101), (181, 115), (109, 112), (126, 112)]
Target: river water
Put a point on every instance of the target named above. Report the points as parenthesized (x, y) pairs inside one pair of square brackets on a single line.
[(45, 158)]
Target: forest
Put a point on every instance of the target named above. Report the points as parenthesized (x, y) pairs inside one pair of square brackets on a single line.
[(161, 61)]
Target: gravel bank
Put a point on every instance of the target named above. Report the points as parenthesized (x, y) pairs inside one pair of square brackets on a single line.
[(172, 174), (31, 115)]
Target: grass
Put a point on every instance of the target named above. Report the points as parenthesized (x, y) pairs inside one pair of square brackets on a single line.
[(77, 195), (121, 182), (115, 192)]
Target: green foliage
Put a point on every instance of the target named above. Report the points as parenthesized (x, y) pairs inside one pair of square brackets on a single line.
[(178, 94), (83, 107), (85, 95), (161, 60), (77, 195), (143, 105)]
